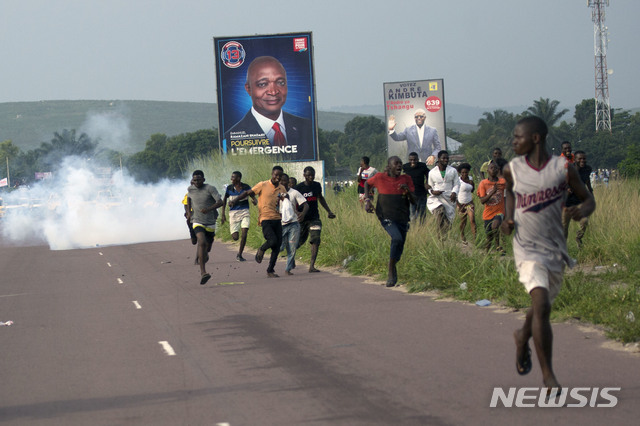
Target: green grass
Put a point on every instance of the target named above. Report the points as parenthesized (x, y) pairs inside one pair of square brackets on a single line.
[(595, 292)]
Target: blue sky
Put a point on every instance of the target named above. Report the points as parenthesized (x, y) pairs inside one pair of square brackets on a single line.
[(490, 54)]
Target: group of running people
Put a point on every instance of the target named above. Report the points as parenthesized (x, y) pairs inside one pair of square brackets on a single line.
[(288, 214), (527, 195)]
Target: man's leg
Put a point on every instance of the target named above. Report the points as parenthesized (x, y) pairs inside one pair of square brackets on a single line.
[(315, 229), (421, 204), (314, 255), (275, 245), (582, 227), (398, 234), (201, 250), (243, 241), (566, 220), (292, 243), (194, 239), (542, 334)]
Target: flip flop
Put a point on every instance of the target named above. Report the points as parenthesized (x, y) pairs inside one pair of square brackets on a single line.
[(524, 367), (204, 278)]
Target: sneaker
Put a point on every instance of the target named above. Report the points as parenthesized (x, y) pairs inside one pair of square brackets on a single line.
[(239, 258)]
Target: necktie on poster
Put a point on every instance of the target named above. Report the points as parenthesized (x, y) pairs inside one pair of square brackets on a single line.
[(278, 138)]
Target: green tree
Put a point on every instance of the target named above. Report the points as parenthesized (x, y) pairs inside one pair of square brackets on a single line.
[(548, 111), (64, 145), (630, 166)]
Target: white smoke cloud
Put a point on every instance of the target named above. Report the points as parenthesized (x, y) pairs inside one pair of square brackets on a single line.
[(80, 208), (110, 128)]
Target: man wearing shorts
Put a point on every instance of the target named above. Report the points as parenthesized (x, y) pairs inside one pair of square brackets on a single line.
[(239, 215), (311, 226), (536, 188), (203, 202)]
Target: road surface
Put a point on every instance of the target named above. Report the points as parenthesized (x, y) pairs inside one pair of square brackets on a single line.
[(125, 335)]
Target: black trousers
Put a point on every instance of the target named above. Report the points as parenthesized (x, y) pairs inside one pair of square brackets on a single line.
[(272, 232)]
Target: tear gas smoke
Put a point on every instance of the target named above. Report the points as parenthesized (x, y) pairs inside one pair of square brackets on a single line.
[(83, 206), (110, 128)]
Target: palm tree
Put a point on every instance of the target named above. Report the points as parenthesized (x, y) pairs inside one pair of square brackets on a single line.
[(548, 111)]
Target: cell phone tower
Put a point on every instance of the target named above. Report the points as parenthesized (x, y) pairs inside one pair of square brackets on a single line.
[(603, 107)]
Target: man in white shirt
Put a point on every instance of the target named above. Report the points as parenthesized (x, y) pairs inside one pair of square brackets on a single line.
[(291, 217), (444, 185)]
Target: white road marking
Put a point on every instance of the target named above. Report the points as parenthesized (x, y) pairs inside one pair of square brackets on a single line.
[(100, 253), (135, 302), (13, 295), (223, 424), (120, 281), (109, 264), (167, 348)]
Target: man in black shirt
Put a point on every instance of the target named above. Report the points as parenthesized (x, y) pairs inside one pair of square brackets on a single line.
[(418, 172), (311, 225), (584, 170)]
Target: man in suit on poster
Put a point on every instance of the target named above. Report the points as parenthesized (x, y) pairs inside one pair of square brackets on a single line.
[(420, 138), (267, 85)]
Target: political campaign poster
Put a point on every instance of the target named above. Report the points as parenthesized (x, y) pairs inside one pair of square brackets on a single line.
[(266, 96), (415, 118)]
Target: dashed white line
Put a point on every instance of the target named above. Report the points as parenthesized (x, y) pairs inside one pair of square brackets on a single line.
[(137, 305), (100, 253), (109, 264), (120, 281), (223, 424), (167, 348), (13, 295)]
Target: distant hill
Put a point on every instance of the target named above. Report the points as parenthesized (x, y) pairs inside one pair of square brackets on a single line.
[(126, 125)]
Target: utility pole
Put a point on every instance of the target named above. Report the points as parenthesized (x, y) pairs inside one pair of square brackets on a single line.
[(603, 107)]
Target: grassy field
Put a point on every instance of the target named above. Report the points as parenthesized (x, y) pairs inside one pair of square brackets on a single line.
[(604, 289)]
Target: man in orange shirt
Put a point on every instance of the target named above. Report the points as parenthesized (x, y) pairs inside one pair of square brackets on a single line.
[(566, 152), (491, 193), (269, 193)]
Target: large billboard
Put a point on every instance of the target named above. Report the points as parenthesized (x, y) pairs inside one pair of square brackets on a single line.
[(266, 95), (414, 112)]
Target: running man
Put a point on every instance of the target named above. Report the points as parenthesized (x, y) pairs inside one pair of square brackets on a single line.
[(202, 203), (444, 185), (491, 194), (239, 215), (395, 195), (292, 209), (536, 188), (311, 226), (269, 193)]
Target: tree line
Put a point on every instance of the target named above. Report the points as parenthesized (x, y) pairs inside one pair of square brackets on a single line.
[(169, 156)]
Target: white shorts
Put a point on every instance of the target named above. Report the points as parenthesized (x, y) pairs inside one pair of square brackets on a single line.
[(534, 274), (239, 219)]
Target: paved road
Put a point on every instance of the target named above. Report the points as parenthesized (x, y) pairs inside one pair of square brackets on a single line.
[(314, 349)]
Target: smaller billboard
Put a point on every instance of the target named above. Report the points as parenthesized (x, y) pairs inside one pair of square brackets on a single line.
[(415, 118)]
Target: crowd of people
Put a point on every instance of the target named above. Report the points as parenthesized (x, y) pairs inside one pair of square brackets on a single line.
[(536, 195)]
